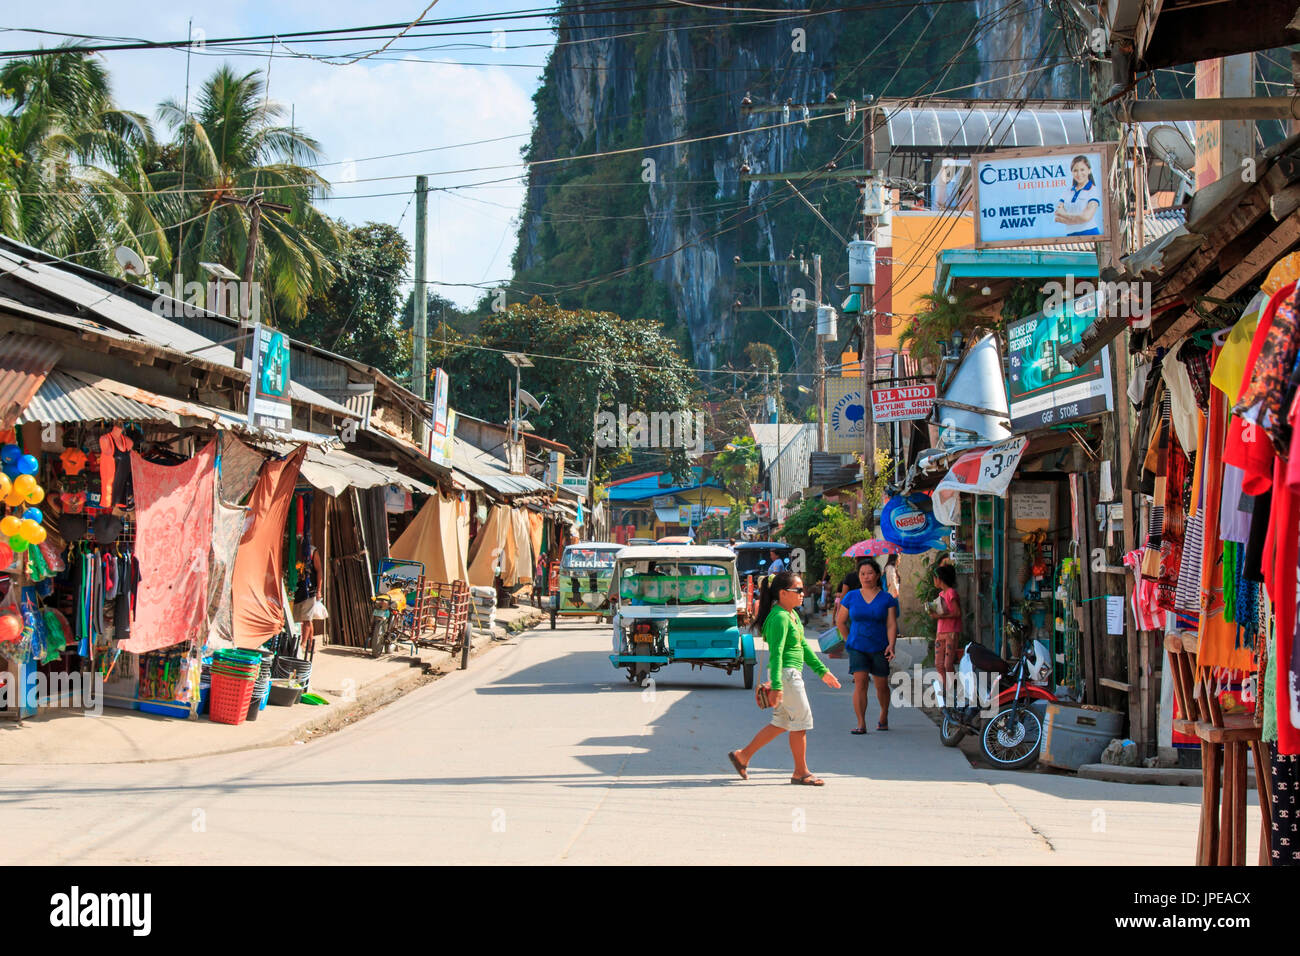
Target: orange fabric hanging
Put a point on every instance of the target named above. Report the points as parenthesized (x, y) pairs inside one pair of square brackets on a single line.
[(1218, 637), (256, 589)]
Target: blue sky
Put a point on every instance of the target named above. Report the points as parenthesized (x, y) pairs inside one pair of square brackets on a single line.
[(419, 94)]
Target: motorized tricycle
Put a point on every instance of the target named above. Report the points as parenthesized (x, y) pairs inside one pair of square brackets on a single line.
[(678, 603), (579, 583)]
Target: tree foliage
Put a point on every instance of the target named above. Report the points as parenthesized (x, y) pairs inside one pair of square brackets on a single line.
[(358, 314), (834, 533), (601, 361), (736, 468)]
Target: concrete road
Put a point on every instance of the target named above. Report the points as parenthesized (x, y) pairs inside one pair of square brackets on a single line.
[(543, 753)]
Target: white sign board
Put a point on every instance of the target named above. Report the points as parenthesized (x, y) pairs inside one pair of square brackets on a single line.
[(846, 429), (1031, 506), (1114, 614), (268, 386), (902, 403), (1042, 196)]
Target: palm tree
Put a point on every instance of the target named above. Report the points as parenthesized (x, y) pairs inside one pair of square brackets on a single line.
[(232, 145), (71, 180)]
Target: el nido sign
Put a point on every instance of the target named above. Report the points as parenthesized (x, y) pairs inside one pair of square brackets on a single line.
[(902, 403), (1026, 197)]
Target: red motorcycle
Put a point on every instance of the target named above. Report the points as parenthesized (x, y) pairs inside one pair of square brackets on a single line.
[(1013, 736)]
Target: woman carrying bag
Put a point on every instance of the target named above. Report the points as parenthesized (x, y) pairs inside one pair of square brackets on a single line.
[(788, 651)]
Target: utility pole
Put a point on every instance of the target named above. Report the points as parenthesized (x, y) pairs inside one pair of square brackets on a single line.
[(867, 314), (819, 359), (420, 331)]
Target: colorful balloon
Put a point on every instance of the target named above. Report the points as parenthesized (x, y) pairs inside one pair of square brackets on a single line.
[(14, 500), (37, 496), (24, 484), (10, 525), (11, 626), (34, 514), (18, 543), (6, 556), (29, 530), (28, 465), (37, 536), (6, 486), (10, 454)]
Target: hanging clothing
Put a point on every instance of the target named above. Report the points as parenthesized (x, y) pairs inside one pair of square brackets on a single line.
[(1175, 524), (1284, 840), (114, 456), (1147, 616), (1262, 397), (1217, 637), (1182, 400)]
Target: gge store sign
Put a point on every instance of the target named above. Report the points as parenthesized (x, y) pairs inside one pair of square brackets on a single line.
[(1042, 196)]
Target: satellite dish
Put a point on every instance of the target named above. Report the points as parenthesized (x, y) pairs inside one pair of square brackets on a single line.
[(526, 397), (130, 261), (1169, 143)]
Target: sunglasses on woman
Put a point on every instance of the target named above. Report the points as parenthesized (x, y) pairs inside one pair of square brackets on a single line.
[(795, 590)]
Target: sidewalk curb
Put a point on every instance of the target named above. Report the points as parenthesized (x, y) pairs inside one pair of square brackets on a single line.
[(1157, 776)]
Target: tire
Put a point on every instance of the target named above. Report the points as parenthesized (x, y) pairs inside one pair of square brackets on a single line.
[(466, 642), (951, 733), (378, 635), (1012, 746), (749, 675)]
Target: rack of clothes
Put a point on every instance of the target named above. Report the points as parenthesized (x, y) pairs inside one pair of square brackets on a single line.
[(1217, 567)]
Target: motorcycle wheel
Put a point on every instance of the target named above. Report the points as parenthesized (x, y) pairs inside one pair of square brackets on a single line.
[(378, 633), (951, 733), (749, 676), (1012, 738)]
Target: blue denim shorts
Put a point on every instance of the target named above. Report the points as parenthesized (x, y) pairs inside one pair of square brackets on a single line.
[(873, 662)]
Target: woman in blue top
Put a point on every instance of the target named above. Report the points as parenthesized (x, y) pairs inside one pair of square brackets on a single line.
[(868, 622), (1083, 205)]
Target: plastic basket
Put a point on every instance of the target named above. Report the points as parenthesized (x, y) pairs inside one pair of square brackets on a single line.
[(229, 699)]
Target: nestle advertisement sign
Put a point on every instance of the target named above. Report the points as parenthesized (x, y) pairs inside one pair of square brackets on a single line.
[(902, 403), (1042, 196)]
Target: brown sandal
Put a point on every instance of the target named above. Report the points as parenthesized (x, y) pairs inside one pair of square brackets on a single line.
[(809, 780), (740, 767)]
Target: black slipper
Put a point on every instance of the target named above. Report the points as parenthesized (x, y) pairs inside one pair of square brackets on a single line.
[(882, 726), (858, 732)]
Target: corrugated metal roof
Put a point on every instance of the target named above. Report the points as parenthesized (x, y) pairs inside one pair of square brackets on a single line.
[(63, 398), (490, 472), (25, 361), (112, 307)]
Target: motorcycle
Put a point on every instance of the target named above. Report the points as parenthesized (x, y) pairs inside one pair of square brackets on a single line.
[(382, 611), (1013, 736)]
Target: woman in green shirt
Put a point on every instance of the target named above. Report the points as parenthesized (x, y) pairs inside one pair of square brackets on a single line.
[(788, 651)]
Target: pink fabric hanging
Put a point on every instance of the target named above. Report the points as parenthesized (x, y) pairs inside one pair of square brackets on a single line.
[(173, 540)]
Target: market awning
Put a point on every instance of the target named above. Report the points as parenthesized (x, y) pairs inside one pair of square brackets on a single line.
[(64, 397), (491, 472), (333, 471), (25, 362), (667, 515)]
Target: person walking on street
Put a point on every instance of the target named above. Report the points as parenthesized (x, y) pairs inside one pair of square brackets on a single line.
[(892, 583), (947, 614), (868, 622), (788, 652)]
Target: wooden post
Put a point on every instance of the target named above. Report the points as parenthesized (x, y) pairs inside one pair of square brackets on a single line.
[(1123, 441)]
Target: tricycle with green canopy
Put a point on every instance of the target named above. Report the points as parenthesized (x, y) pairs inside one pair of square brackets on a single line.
[(679, 603)]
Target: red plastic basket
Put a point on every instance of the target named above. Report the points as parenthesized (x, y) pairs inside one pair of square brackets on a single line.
[(229, 699)]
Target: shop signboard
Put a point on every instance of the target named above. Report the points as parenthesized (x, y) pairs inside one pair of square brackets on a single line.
[(909, 522), (963, 561), (1042, 196), (1042, 388), (983, 471), (439, 447), (845, 416), (440, 388), (903, 403), (577, 484), (268, 389), (716, 510)]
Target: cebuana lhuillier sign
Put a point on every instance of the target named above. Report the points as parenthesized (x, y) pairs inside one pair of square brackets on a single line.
[(1044, 196)]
